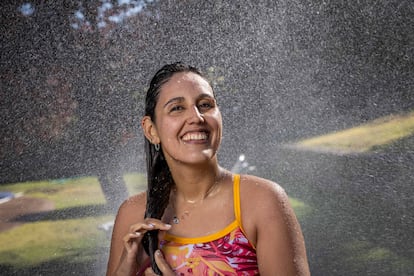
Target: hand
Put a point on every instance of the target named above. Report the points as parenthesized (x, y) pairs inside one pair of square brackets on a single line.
[(132, 242), (137, 231), (162, 265)]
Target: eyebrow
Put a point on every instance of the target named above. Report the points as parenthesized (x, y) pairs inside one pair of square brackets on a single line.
[(205, 95), (181, 99), (176, 99)]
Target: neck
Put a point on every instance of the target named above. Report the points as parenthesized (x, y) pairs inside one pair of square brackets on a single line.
[(193, 184)]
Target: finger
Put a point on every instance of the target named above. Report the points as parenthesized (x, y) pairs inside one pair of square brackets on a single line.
[(162, 264), (132, 236), (149, 224), (153, 224), (150, 272), (130, 239)]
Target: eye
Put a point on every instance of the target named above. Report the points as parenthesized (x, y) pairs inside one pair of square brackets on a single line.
[(205, 105), (176, 108)]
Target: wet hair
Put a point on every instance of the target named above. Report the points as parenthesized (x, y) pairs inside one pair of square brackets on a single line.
[(158, 174)]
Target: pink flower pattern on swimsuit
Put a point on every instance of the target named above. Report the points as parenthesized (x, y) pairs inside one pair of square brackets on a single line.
[(231, 254)]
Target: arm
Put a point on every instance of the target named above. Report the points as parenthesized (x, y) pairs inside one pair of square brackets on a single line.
[(130, 212), (271, 224), (126, 254)]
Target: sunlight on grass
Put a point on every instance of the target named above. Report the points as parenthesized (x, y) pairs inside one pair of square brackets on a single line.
[(63, 192), (363, 138), (37, 242), (136, 182), (301, 209), (363, 253), (71, 192)]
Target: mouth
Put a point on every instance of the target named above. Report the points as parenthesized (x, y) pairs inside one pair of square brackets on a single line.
[(196, 136)]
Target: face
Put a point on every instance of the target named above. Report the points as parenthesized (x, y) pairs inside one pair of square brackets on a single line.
[(188, 122)]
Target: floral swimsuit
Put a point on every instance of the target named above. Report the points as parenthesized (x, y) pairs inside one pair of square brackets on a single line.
[(227, 252)]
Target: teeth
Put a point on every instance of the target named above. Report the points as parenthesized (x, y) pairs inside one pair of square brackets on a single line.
[(195, 136)]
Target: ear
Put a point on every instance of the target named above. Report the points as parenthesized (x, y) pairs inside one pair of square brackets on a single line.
[(150, 130)]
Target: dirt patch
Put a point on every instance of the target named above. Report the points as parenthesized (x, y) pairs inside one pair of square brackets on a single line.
[(11, 210)]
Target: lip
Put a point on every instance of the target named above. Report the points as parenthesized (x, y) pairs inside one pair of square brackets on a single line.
[(195, 136)]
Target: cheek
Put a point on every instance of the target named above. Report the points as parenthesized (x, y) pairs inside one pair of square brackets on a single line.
[(216, 123), (167, 128), (216, 117)]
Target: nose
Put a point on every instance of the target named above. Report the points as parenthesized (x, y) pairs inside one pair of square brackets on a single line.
[(195, 116)]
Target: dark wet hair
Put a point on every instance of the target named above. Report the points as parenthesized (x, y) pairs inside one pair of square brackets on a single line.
[(159, 177)]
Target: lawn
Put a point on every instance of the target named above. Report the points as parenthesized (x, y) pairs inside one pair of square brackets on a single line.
[(75, 237), (359, 181)]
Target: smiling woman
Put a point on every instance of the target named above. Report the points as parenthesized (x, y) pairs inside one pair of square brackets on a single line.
[(197, 217), (188, 120)]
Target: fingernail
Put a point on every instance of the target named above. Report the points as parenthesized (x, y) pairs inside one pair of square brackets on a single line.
[(168, 225), (151, 225), (137, 233), (158, 252)]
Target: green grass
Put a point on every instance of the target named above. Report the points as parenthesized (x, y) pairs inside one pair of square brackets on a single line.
[(33, 243), (136, 182), (64, 193), (363, 254), (301, 208), (363, 138), (73, 239)]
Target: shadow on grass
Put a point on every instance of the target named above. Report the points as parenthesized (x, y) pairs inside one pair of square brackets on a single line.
[(61, 267), (92, 210)]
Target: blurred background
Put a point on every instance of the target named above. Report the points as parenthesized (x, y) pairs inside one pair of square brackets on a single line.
[(315, 95)]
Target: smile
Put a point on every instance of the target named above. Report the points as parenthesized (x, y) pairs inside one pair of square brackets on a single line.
[(195, 136)]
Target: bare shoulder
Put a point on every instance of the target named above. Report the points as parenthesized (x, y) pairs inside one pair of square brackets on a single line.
[(261, 190), (263, 204), (130, 212), (271, 225), (133, 208)]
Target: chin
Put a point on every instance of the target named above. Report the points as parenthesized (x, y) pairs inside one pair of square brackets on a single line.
[(199, 158), (209, 153)]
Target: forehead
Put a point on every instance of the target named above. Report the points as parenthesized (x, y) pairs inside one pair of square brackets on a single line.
[(184, 83)]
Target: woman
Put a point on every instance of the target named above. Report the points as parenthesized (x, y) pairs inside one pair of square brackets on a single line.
[(203, 219)]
